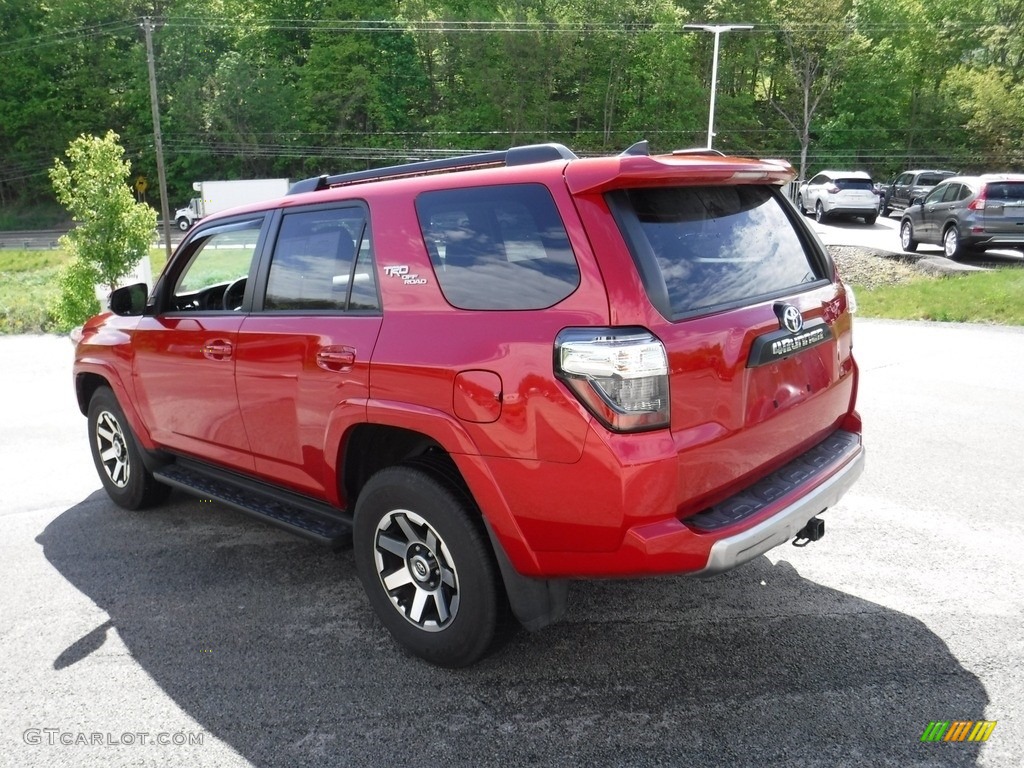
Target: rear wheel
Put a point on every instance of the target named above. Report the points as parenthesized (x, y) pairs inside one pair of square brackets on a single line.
[(819, 213), (951, 243), (907, 237), (427, 566), (117, 457), (869, 220)]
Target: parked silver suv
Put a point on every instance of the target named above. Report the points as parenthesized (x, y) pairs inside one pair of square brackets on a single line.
[(967, 213), (839, 193)]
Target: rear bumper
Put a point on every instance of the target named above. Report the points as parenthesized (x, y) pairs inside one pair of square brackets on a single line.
[(856, 209), (763, 515), (735, 550)]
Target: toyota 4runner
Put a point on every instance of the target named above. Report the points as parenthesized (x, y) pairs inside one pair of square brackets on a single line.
[(493, 374)]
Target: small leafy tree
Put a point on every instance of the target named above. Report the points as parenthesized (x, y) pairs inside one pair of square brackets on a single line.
[(113, 233)]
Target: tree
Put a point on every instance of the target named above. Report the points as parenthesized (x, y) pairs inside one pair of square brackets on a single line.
[(113, 233)]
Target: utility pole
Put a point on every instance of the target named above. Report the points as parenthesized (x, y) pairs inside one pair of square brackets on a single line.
[(147, 26), (717, 30)]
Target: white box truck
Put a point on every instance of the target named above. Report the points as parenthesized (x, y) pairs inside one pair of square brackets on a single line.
[(216, 196)]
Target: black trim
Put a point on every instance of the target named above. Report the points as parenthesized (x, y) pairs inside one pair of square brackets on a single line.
[(526, 155), (826, 456), (292, 511), (780, 344)]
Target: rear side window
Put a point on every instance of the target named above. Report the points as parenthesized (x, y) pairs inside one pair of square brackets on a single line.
[(712, 246), (863, 184), (499, 247)]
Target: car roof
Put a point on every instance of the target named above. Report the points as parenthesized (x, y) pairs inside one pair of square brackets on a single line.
[(927, 170)]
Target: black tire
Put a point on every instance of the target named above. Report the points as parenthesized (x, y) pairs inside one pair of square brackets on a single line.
[(819, 213), (907, 236), (869, 220), (184, 224), (800, 204), (886, 210), (117, 458), (427, 566)]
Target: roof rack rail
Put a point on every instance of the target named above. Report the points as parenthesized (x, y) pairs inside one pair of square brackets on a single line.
[(525, 155), (698, 151)]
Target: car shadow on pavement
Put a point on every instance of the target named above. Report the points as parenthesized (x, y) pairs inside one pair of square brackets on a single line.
[(269, 644)]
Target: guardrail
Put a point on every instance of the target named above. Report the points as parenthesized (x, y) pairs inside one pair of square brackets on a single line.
[(48, 239)]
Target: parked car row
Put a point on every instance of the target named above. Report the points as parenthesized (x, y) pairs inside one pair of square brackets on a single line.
[(938, 207), (967, 213)]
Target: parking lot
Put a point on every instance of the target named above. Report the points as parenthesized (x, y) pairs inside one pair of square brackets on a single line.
[(192, 635)]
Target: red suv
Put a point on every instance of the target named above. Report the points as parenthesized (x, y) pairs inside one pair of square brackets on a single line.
[(493, 373)]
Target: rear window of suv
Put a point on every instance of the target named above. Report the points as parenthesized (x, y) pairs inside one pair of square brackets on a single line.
[(1005, 190), (501, 247), (699, 248), (862, 184)]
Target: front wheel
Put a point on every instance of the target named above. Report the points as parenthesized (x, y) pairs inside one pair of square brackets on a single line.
[(426, 565), (184, 224), (117, 457), (907, 237)]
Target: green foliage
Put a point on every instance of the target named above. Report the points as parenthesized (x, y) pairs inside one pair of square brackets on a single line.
[(76, 300), (114, 231), (294, 88)]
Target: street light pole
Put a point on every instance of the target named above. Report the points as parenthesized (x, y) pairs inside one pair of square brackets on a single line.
[(717, 30), (147, 27)]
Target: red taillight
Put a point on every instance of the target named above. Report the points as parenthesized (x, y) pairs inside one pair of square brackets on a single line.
[(832, 189), (619, 374), (978, 203)]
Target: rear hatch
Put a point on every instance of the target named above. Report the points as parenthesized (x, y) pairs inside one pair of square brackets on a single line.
[(756, 331), (1004, 208), (856, 193)]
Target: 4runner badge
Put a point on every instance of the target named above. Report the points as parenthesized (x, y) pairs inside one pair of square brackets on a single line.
[(402, 271)]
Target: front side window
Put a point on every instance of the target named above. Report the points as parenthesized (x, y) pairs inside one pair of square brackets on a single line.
[(322, 262), (217, 270), (713, 246), (499, 247)]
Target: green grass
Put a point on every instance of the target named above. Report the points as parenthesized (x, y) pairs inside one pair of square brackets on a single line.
[(995, 297), (28, 287)]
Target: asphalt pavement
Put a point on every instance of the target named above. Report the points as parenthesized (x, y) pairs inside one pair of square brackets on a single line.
[(192, 635)]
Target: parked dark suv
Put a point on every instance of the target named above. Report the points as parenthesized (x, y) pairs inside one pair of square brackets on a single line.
[(492, 374), (899, 194), (966, 213)]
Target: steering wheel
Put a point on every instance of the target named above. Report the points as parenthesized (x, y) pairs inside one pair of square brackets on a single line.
[(234, 294)]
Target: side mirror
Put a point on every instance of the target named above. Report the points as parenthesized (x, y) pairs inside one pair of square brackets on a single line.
[(919, 200), (130, 300)]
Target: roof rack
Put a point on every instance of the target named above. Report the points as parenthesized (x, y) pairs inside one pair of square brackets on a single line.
[(526, 155), (698, 151)]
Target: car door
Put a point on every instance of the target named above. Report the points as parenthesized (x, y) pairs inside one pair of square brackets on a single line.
[(901, 191), (814, 190), (184, 364), (303, 362), (935, 211)]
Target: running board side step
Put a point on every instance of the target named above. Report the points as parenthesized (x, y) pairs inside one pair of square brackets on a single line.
[(298, 514)]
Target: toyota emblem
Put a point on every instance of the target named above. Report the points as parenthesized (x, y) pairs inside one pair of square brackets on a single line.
[(791, 319)]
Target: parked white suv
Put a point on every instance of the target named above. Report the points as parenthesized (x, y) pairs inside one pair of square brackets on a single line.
[(839, 193)]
